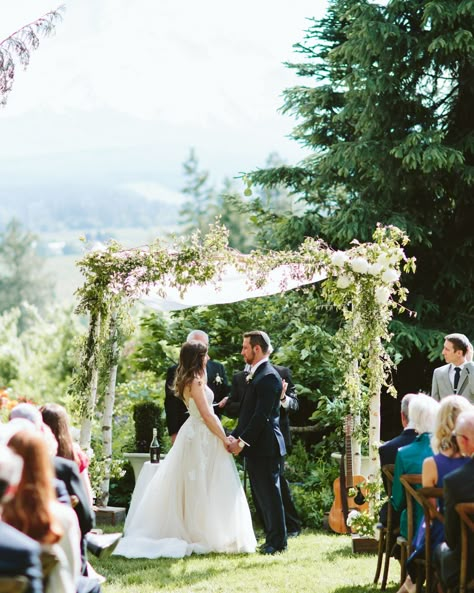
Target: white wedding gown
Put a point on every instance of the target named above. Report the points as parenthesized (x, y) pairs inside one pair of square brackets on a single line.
[(194, 503)]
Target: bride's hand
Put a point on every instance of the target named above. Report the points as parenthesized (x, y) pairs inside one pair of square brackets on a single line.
[(228, 442)]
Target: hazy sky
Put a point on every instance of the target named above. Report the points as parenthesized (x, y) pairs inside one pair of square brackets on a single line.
[(126, 86)]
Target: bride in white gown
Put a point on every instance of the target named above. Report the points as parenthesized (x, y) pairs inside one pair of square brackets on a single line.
[(195, 501)]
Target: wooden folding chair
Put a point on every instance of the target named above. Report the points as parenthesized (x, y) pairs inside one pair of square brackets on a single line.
[(428, 499), (13, 584), (409, 483), (387, 535), (465, 511)]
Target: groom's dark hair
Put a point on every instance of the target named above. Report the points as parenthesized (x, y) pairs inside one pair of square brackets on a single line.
[(259, 338)]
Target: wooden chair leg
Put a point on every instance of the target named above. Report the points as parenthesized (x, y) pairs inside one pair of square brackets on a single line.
[(403, 562), (380, 552)]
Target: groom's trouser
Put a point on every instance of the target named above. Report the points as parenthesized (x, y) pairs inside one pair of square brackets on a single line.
[(264, 475)]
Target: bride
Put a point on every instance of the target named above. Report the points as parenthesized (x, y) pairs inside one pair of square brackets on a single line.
[(195, 501)]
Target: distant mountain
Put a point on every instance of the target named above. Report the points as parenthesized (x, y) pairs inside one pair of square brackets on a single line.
[(49, 206)]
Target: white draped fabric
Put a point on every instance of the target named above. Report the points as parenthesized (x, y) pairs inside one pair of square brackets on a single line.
[(233, 286)]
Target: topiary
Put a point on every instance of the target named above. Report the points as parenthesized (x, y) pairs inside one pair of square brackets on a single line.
[(147, 415)]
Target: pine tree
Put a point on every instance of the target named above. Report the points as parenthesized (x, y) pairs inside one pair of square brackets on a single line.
[(387, 115)]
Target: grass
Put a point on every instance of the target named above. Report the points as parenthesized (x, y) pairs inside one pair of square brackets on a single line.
[(315, 562)]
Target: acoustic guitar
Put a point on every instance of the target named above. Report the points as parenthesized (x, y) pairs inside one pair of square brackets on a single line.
[(343, 503)]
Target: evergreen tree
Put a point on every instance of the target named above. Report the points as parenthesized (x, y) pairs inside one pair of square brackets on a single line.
[(387, 115), (22, 279), (198, 211)]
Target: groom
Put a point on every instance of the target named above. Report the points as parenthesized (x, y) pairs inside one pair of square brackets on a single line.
[(258, 437)]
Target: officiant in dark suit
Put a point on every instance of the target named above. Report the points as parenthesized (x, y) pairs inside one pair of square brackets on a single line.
[(175, 409), (288, 403), (258, 437)]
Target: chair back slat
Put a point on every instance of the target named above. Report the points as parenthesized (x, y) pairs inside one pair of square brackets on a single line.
[(428, 498), (465, 511), (409, 481), (388, 470)]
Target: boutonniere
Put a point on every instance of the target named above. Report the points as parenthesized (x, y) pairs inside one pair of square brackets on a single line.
[(249, 377), (218, 379)]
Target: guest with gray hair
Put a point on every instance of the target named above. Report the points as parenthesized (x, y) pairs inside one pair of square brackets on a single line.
[(388, 451), (456, 377), (19, 554), (409, 459)]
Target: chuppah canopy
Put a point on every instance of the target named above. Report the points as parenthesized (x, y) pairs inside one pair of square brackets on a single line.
[(232, 286)]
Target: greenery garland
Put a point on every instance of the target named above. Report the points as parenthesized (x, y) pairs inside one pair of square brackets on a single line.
[(362, 282)]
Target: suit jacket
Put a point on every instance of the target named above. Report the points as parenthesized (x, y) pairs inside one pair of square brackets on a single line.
[(237, 391), (409, 460), (67, 471), (388, 451), (458, 487), (20, 555), (259, 417), (175, 408), (441, 385)]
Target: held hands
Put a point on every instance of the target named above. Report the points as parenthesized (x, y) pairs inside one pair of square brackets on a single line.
[(232, 445), (223, 402)]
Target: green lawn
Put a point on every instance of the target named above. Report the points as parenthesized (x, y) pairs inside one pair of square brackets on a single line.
[(315, 562)]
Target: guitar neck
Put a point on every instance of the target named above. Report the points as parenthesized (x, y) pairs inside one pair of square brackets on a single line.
[(349, 478)]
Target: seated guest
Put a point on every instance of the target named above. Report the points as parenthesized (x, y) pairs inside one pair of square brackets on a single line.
[(19, 554), (388, 451), (458, 487), (410, 458), (35, 511), (56, 417), (447, 458)]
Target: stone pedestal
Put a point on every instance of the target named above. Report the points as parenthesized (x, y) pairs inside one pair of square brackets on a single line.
[(109, 515)]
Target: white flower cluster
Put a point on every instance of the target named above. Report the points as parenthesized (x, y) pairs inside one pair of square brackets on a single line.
[(384, 268)]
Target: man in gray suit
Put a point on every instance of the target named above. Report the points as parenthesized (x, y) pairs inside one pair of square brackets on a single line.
[(457, 376)]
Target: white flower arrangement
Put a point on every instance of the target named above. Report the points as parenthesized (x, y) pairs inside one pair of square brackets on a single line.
[(382, 294), (360, 265), (338, 258), (249, 377), (343, 281), (390, 275), (218, 379), (361, 523)]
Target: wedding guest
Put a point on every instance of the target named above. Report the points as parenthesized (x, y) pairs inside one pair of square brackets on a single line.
[(388, 452), (457, 375), (175, 409), (19, 554), (410, 458), (447, 458), (458, 487), (56, 417), (258, 437), (35, 511)]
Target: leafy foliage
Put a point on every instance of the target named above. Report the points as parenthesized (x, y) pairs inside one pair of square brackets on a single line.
[(22, 280), (17, 47)]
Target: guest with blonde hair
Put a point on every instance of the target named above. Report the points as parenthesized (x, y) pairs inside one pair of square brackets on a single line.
[(447, 458)]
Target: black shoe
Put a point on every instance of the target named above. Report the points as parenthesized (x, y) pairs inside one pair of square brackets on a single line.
[(294, 533), (102, 545), (270, 550)]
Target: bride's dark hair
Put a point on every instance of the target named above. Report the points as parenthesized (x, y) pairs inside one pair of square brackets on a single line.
[(190, 366)]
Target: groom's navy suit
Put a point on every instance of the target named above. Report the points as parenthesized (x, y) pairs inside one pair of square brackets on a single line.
[(258, 426)]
